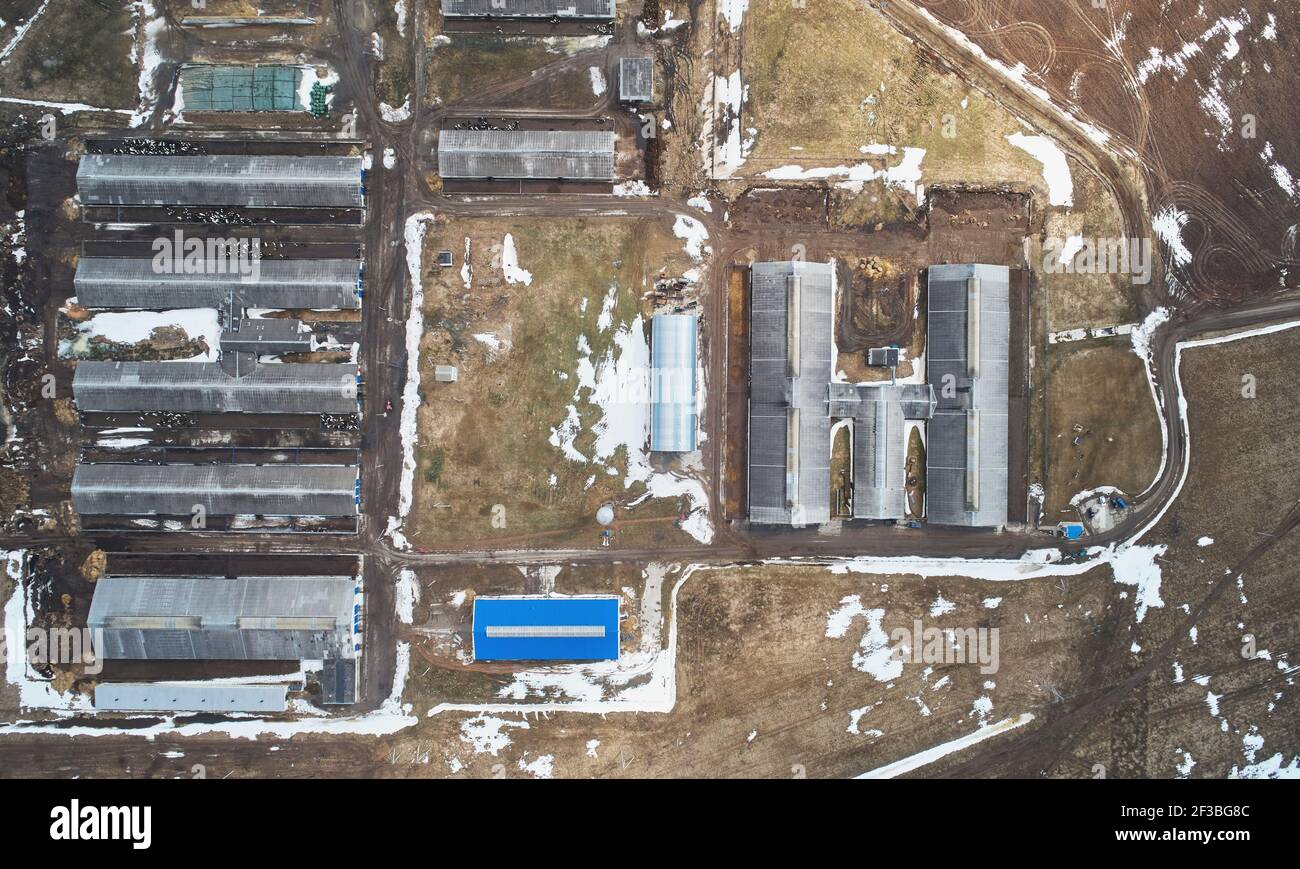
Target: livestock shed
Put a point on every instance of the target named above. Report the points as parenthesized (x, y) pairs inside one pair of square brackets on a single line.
[(206, 618), (574, 155), (136, 283), (248, 88), (674, 415), (225, 180), (636, 79), (191, 697), (207, 387), (222, 490), (791, 357), (546, 628), (880, 415), (967, 364), (266, 336), (588, 9)]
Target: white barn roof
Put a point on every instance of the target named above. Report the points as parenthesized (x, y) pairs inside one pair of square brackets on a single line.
[(222, 490), (577, 155), (234, 181), (674, 416)]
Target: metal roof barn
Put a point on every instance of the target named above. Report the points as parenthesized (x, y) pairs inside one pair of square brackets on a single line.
[(546, 628), (135, 283), (636, 79), (251, 88), (599, 9), (168, 697), (510, 154), (222, 490), (879, 415), (967, 363), (205, 387), (266, 336), (790, 371), (233, 181), (263, 618), (674, 416)]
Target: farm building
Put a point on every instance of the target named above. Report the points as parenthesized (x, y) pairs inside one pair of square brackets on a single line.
[(526, 154), (251, 88), (588, 9), (190, 697), (880, 415), (790, 369), (674, 358), (225, 180), (968, 334), (131, 283), (207, 387), (266, 336), (636, 79), (222, 490), (204, 618), (546, 628)]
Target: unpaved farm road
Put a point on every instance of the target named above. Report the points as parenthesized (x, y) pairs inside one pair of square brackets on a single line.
[(398, 194)]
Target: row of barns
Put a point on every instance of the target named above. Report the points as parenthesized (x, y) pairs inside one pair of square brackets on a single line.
[(794, 402), (311, 620), (241, 382)]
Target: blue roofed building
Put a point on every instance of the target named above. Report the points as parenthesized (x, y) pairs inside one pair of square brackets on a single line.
[(546, 628)]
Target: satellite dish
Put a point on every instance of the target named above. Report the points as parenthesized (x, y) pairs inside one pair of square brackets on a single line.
[(605, 515)]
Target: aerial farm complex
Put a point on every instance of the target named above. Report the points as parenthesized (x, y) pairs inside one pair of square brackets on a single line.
[(381, 376)]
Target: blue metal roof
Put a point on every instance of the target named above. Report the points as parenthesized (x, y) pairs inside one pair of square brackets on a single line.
[(674, 416), (546, 629)]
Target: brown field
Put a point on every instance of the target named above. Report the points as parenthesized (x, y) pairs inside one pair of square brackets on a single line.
[(491, 438), (1101, 386)]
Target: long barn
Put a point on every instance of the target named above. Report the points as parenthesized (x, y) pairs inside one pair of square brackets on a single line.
[(207, 387), (272, 618), (575, 155), (134, 283), (967, 364), (221, 490), (225, 180), (598, 10)]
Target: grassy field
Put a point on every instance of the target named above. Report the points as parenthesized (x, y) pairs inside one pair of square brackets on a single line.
[(77, 52), (520, 446), (1086, 300), (1103, 388), (830, 77), (464, 64)]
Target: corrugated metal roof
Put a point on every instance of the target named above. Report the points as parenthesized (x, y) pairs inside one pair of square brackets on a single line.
[(546, 629), (234, 181), (204, 387), (969, 431), (789, 393), (338, 680), (222, 490), (172, 697), (636, 79), (674, 415), (266, 336), (528, 8), (574, 155), (277, 618), (134, 282)]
